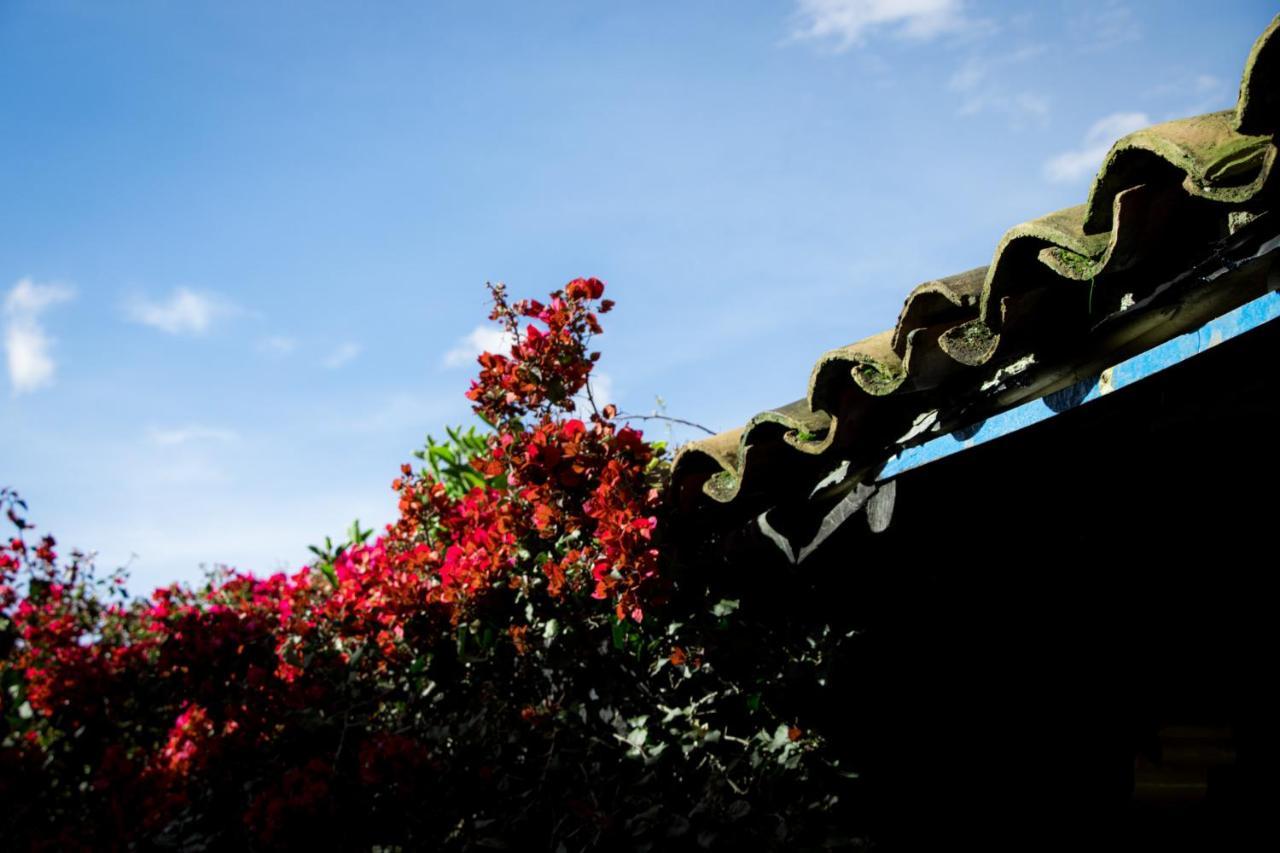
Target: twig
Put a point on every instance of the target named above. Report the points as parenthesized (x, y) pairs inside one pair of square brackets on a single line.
[(342, 737), (591, 398), (657, 417)]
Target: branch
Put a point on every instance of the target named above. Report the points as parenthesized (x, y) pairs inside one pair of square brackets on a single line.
[(657, 417)]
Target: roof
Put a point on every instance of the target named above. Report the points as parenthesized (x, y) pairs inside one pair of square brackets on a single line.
[(1172, 208)]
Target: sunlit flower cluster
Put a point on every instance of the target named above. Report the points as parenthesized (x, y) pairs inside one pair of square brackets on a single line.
[(165, 702)]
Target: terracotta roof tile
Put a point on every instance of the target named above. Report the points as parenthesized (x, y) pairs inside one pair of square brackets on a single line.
[(1061, 292)]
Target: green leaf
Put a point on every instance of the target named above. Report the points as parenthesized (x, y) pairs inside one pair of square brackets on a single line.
[(38, 590), (725, 606), (330, 572)]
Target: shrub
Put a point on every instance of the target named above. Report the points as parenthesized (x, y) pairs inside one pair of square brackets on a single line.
[(519, 660)]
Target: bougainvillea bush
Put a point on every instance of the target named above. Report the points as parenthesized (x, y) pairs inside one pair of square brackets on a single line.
[(519, 661)]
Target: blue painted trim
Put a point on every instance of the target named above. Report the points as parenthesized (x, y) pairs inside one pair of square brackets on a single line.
[(1248, 316)]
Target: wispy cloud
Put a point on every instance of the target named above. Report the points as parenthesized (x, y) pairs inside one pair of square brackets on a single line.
[(180, 465), (1207, 94), (848, 23), (184, 312), (342, 354), (173, 437), (399, 412), (1079, 162), (173, 539), (1206, 83), (1103, 24), (478, 340), (278, 344), (602, 391), (190, 454), (28, 347), (1192, 93), (983, 85)]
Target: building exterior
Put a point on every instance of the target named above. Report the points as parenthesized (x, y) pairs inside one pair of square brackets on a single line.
[(1045, 495)]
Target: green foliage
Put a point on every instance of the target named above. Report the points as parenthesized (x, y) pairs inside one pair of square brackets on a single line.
[(327, 554), (528, 657), (449, 461)]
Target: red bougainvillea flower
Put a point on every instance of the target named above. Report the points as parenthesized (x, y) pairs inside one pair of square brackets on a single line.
[(159, 705)]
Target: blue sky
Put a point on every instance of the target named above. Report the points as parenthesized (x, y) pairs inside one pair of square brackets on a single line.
[(243, 245)]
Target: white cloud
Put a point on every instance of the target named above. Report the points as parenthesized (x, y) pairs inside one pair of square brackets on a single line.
[(28, 348), (969, 76), (1206, 83), (403, 411), (1022, 108), (1031, 105), (1085, 160), (170, 540), (602, 388), (984, 84), (192, 432), (185, 312), (478, 340), (602, 391), (1191, 94), (343, 354), (191, 454), (849, 22), (187, 468), (1103, 25), (278, 344), (28, 299)]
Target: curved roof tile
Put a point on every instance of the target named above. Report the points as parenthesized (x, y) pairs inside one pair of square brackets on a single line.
[(1163, 198)]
